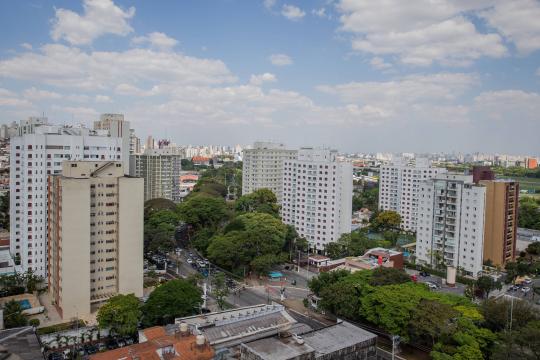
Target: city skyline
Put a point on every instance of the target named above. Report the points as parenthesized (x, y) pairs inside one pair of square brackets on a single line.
[(352, 75)]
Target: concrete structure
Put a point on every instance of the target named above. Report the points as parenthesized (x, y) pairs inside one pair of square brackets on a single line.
[(372, 259), (263, 167), (500, 229), (317, 196), (340, 341), (33, 157), (450, 228), (7, 264), (20, 343), (95, 233), (398, 188), (119, 128), (160, 169), (134, 143)]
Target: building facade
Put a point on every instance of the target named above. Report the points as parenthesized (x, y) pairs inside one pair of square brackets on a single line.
[(161, 170), (398, 188), (34, 156), (117, 127), (450, 229), (95, 233), (317, 196), (502, 200), (263, 167)]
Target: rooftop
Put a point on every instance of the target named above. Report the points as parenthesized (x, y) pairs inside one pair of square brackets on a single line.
[(336, 337), (22, 342)]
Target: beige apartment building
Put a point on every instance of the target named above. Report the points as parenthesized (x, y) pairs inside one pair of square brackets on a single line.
[(500, 227), (95, 235)]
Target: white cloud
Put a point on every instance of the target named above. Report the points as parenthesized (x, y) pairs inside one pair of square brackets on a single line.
[(36, 94), (269, 3), (10, 99), (262, 78), (379, 63), (419, 32), (69, 67), (321, 12), (103, 99), (518, 21), (100, 17), (280, 59), (292, 12), (509, 105), (157, 40), (27, 46)]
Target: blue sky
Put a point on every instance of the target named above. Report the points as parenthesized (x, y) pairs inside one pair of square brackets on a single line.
[(358, 75)]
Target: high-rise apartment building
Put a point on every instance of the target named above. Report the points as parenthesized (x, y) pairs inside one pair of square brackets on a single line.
[(134, 143), (34, 156), (160, 169), (502, 199), (317, 196), (263, 167), (95, 232), (398, 188), (117, 127), (450, 223)]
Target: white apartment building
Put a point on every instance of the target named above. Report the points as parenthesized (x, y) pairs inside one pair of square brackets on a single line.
[(117, 127), (95, 247), (317, 196), (450, 226), (34, 156), (398, 188), (160, 169), (263, 167)]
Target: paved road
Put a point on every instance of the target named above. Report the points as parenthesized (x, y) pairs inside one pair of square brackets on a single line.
[(458, 289)]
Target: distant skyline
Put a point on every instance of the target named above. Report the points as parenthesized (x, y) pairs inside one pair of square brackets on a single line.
[(457, 76)]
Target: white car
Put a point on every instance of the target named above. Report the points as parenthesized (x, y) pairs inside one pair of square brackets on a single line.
[(431, 285), (189, 261), (527, 281), (526, 289)]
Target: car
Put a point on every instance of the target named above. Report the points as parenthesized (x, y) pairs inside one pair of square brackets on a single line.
[(526, 289), (514, 288), (55, 356), (432, 286), (527, 281), (424, 273), (189, 261)]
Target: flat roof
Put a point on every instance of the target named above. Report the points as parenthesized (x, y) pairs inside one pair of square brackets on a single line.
[(275, 348), (21, 341), (336, 337)]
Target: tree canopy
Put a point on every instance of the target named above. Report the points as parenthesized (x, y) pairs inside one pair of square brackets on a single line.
[(175, 298), (262, 200), (13, 316), (386, 220), (120, 314)]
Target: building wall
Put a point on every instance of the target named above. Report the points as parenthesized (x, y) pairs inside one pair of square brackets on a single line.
[(161, 174), (104, 233), (398, 188), (317, 196), (32, 158), (263, 167), (130, 236), (451, 222), (70, 279), (117, 127), (501, 221)]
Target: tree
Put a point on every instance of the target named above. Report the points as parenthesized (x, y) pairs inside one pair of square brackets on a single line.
[(386, 220), (528, 340), (220, 289), (534, 248), (388, 276), (262, 200), (120, 314), (4, 211), (175, 298), (203, 211), (529, 213), (264, 263), (487, 284), (432, 319), (159, 230), (325, 279), (496, 314), (13, 316)]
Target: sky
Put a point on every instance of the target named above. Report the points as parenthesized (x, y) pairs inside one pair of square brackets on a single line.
[(357, 75)]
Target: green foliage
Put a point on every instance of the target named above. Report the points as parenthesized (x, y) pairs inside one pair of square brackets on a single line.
[(534, 248), (430, 321), (261, 235), (13, 316), (159, 230), (153, 205), (354, 244), (487, 284), (386, 220), (187, 164), (496, 314), (262, 200), (120, 314), (220, 289), (203, 211), (367, 198), (34, 322), (388, 276), (19, 283), (175, 298), (529, 213), (4, 211), (263, 264), (326, 279)]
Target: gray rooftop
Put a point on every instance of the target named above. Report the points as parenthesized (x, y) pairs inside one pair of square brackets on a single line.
[(21, 341), (275, 348), (336, 337)]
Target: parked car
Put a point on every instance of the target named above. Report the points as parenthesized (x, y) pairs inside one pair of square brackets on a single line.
[(424, 273), (189, 261), (526, 289), (527, 281), (432, 286)]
